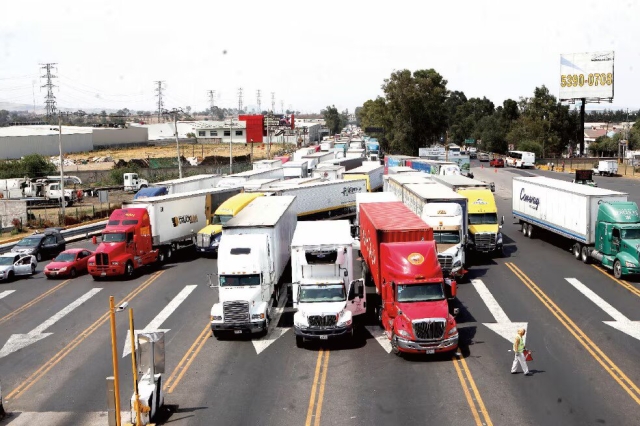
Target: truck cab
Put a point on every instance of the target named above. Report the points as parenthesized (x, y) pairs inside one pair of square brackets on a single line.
[(126, 245), (133, 183), (415, 311), (485, 234), (447, 221), (373, 150), (208, 238), (618, 237)]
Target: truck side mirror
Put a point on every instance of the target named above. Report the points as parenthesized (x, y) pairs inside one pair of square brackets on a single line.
[(360, 289), (502, 221), (212, 284), (454, 289)]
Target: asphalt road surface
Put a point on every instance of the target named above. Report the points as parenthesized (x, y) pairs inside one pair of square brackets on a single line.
[(55, 348)]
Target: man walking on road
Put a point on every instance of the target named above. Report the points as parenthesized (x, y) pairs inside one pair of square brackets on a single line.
[(518, 349)]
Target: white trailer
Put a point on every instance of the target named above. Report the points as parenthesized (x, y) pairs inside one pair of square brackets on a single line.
[(189, 184), (291, 183), (176, 218), (253, 254), (395, 183), (326, 145), (328, 172), (335, 198), (318, 157), (297, 156), (238, 179), (446, 212), (561, 207), (371, 171), (347, 163), (259, 184), (324, 292), (355, 153), (399, 169), (266, 164), (295, 169)]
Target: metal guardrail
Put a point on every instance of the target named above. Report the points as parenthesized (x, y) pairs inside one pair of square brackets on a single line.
[(70, 235)]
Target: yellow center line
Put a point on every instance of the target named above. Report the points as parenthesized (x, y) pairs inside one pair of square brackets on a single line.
[(53, 361), (187, 359), (608, 365), (312, 397), (471, 392), (623, 283), (32, 302), (321, 389)]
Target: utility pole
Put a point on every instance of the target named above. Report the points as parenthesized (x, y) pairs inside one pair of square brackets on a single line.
[(240, 100), (273, 101), (49, 99), (212, 95), (160, 104), (63, 202), (259, 104), (175, 113), (282, 106)]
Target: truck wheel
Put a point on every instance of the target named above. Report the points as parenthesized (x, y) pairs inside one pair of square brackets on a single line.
[(584, 255), (128, 269), (394, 345), (617, 269), (523, 228), (577, 251), (161, 257), (530, 231), (169, 252), (299, 342), (216, 334)]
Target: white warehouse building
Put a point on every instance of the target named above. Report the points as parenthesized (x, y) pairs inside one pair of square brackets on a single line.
[(18, 141)]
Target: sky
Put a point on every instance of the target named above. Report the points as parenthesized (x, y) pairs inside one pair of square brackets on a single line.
[(309, 54)]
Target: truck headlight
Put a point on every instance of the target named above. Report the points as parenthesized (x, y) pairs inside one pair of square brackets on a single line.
[(257, 316), (299, 320), (404, 333), (629, 264), (92, 263), (114, 263), (457, 263), (454, 330), (216, 317)]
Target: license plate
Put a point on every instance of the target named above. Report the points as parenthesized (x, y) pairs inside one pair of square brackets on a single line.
[(430, 351), (237, 331), (324, 337), (104, 274)]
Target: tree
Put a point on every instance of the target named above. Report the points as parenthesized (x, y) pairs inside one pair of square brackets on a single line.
[(374, 113), (334, 120), (32, 165)]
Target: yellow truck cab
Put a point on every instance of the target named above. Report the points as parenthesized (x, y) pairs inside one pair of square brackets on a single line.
[(208, 238), (485, 234)]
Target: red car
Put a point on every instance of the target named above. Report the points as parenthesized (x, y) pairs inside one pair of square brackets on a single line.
[(69, 263), (497, 162)]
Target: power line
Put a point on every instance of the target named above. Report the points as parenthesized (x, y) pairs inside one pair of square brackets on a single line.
[(160, 104), (239, 100), (259, 108), (50, 99)]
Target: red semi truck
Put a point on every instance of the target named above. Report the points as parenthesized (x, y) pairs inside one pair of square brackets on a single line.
[(401, 258), (126, 245)]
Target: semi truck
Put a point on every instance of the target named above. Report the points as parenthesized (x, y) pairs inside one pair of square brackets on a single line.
[(323, 199), (36, 191), (434, 167), (371, 172), (239, 179), (189, 184), (266, 164), (485, 231), (446, 212), (373, 150), (295, 169), (328, 172), (347, 163), (133, 182), (399, 257), (369, 197), (252, 256), (327, 297), (208, 238), (602, 226), (318, 157), (395, 183)]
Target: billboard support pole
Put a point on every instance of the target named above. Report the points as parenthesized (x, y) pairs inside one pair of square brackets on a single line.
[(581, 138)]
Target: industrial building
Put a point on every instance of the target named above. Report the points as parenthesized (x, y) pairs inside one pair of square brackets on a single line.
[(18, 141)]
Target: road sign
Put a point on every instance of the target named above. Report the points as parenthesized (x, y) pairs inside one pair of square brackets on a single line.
[(374, 129), (469, 141), (103, 196)]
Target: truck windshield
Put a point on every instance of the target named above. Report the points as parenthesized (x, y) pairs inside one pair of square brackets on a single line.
[(239, 280), (630, 234), (221, 219), (117, 237), (322, 293), (420, 292), (447, 237), (483, 218)]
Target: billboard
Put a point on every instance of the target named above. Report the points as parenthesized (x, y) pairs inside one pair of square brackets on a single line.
[(279, 121), (586, 75)]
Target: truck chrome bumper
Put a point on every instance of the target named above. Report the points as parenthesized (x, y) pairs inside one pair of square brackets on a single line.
[(245, 327), (427, 347), (323, 333), (109, 271), (207, 250)]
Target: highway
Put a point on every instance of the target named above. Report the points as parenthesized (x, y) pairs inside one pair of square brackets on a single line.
[(55, 348)]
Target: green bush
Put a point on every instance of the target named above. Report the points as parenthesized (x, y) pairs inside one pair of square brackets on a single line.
[(32, 165)]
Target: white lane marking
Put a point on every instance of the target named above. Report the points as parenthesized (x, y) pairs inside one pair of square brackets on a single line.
[(503, 325), (6, 293), (154, 325), (273, 332), (380, 336), (19, 341)]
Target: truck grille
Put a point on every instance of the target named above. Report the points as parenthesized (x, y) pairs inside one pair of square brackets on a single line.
[(235, 311), (203, 240), (446, 261), (102, 259), (485, 241), (429, 329), (322, 320)]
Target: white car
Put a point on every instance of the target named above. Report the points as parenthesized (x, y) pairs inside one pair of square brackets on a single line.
[(14, 264)]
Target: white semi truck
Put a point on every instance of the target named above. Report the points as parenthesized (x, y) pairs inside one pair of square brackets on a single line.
[(395, 183), (446, 212), (253, 254), (239, 179), (324, 292), (189, 184)]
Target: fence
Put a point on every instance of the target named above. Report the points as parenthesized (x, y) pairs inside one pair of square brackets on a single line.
[(46, 217), (627, 168)]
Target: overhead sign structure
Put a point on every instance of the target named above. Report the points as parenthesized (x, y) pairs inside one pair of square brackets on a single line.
[(374, 129), (587, 75)]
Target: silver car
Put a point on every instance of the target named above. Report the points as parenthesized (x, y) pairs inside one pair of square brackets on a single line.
[(14, 264)]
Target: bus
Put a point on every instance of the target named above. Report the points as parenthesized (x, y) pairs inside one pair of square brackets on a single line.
[(520, 159)]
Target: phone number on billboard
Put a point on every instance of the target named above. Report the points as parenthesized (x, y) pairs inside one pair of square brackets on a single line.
[(576, 80)]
